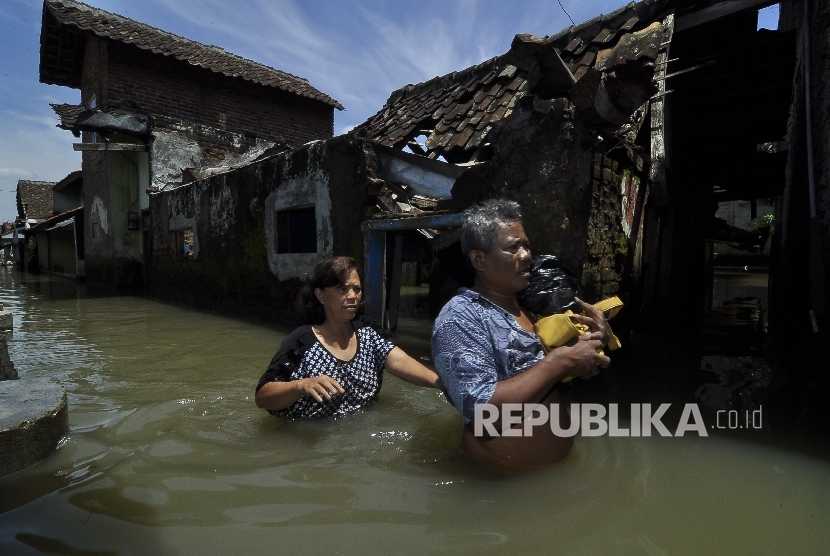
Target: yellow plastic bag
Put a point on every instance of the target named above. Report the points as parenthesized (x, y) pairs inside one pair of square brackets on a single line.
[(557, 330)]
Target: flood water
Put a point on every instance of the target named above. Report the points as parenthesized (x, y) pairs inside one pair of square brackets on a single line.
[(167, 454)]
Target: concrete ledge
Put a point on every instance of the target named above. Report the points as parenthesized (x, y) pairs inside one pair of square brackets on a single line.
[(33, 417), (6, 320)]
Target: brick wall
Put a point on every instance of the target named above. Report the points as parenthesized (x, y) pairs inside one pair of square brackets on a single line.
[(138, 80), (94, 72), (608, 247)]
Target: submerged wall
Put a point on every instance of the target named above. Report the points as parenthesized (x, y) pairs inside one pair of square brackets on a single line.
[(231, 263)]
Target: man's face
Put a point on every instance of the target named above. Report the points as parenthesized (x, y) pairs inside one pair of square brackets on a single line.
[(506, 268)]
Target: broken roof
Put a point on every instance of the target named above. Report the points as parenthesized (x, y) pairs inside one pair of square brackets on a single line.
[(63, 40), (456, 112), (34, 199)]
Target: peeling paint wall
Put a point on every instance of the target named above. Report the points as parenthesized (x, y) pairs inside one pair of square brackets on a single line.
[(234, 266), (179, 146)]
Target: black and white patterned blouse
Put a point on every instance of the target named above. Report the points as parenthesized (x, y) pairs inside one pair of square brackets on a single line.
[(302, 355)]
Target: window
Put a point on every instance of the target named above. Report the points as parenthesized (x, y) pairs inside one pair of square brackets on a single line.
[(297, 230), (184, 243)]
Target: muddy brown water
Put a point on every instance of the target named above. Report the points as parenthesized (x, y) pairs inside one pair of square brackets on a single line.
[(167, 454)]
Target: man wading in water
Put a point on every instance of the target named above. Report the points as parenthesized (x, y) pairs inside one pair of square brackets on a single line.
[(485, 347)]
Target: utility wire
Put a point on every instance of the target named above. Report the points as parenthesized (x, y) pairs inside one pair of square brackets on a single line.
[(566, 13)]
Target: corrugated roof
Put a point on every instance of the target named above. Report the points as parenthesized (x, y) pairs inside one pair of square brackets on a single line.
[(457, 111), (60, 65), (54, 221)]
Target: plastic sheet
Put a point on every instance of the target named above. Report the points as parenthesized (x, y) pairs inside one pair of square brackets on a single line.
[(552, 287)]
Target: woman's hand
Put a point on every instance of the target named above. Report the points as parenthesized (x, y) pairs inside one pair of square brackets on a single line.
[(278, 395), (319, 387), (401, 365)]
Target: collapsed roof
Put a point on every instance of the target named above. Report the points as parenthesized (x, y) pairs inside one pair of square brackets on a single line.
[(455, 112)]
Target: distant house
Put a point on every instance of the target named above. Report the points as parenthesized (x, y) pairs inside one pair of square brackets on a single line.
[(34, 205), (158, 110), (34, 201)]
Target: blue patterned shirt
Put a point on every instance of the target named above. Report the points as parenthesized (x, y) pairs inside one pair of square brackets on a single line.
[(476, 344)]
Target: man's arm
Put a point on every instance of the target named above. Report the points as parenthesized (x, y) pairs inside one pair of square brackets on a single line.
[(578, 359), (464, 358)]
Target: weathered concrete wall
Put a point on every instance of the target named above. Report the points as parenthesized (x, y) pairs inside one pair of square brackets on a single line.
[(234, 266), (61, 251), (98, 228)]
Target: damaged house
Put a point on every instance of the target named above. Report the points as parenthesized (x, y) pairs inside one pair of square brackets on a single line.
[(618, 137), (158, 110)]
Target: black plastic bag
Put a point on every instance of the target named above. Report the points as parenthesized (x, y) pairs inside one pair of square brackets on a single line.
[(552, 287)]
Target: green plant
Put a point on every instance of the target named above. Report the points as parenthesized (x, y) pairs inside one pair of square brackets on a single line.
[(766, 221)]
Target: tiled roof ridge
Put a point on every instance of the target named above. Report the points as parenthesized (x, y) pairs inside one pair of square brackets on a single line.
[(454, 76), (568, 33), (36, 182), (645, 10), (110, 16)]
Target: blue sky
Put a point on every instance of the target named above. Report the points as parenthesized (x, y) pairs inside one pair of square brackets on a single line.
[(356, 51)]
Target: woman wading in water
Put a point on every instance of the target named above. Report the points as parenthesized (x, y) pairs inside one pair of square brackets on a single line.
[(334, 365)]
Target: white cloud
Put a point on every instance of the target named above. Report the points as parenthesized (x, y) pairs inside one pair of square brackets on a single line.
[(18, 171), (32, 153)]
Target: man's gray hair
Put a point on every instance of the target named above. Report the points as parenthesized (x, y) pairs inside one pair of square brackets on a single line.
[(481, 222)]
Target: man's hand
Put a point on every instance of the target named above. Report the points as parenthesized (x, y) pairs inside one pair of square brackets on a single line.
[(596, 321), (320, 387), (581, 357)]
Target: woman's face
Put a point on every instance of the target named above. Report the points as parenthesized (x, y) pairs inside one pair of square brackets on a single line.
[(341, 302)]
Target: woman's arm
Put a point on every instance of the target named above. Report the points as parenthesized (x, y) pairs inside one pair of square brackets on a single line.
[(399, 364), (277, 395)]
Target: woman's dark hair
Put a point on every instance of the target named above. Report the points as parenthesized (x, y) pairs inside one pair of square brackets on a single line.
[(328, 273)]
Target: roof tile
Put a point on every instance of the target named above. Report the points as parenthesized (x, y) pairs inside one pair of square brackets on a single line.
[(573, 45), (629, 25)]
